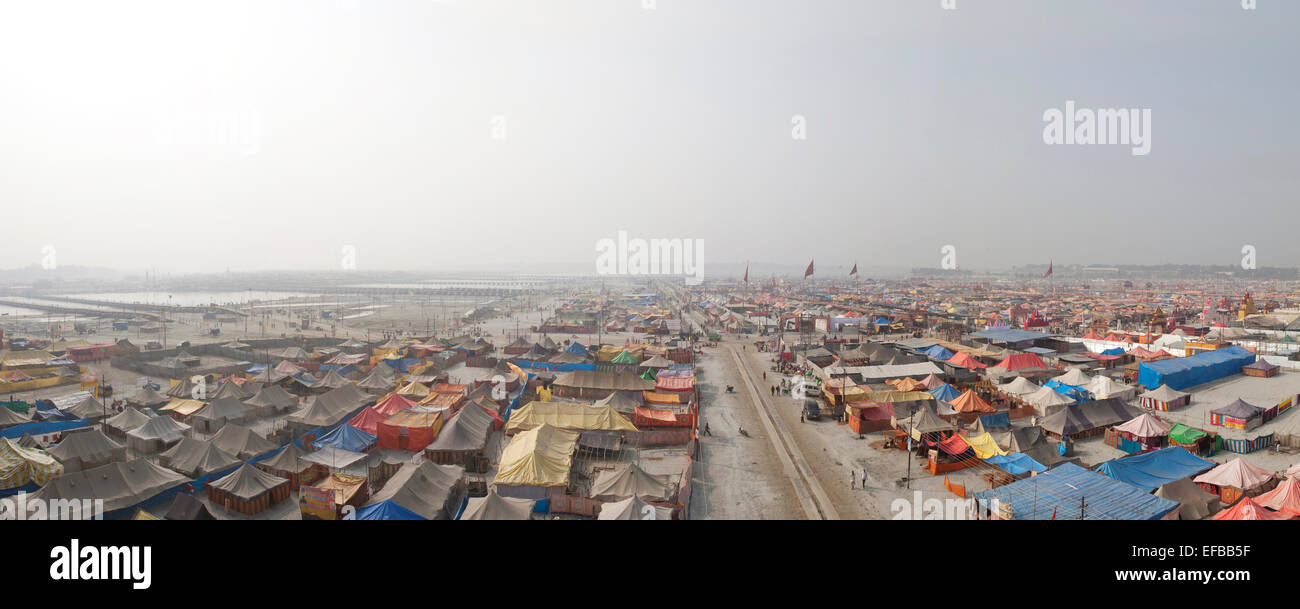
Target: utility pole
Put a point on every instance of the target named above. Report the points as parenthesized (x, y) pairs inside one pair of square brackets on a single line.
[(910, 430)]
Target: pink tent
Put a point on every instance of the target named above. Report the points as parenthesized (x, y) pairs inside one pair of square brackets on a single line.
[(1145, 426), (1247, 509), (931, 381), (1237, 473), (1286, 497)]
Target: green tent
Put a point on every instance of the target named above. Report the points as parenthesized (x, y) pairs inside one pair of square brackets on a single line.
[(649, 375), (1183, 434), (625, 358)]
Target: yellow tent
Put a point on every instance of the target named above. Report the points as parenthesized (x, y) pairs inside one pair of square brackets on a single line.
[(19, 465), (183, 407), (143, 515), (564, 415), (540, 456), (413, 389), (983, 445)]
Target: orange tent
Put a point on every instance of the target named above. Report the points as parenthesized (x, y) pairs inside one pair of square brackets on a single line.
[(393, 404), (1284, 498), (970, 402), (907, 384), (368, 420), (966, 361)]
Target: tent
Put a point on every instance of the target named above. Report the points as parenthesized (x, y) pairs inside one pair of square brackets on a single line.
[(270, 399), (1106, 387), (964, 360), (463, 440), (1194, 502), (1016, 464), (562, 415), (130, 418), (633, 508), (971, 402), (983, 445), (1047, 401), (1019, 386), (925, 421), (21, 466), (248, 490), (1021, 361), (394, 404), (1238, 414), (157, 435), (231, 389), (1284, 497), (496, 507), (535, 460), (147, 397), (430, 490), (241, 441), (1154, 469), (195, 458), (346, 437), (289, 463), (380, 380), (1145, 426), (332, 380), (1059, 492), (86, 450), (629, 480), (119, 485), (188, 507), (620, 402), (386, 510), (329, 408), (1164, 398), (1237, 473), (1073, 376), (1184, 372), (368, 420), (937, 352), (944, 392), (1248, 509), (412, 429), (218, 412), (1085, 419)]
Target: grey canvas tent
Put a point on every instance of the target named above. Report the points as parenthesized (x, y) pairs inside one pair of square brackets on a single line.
[(9, 418), (241, 442), (430, 490), (629, 480), (81, 405), (620, 402), (633, 508), (1194, 502), (157, 435), (119, 485), (271, 399), (330, 407), (195, 458), (188, 507), (230, 389), (463, 440), (218, 412), (147, 397), (86, 450), (248, 483)]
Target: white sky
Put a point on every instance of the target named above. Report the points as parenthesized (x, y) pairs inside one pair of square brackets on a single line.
[(201, 136)]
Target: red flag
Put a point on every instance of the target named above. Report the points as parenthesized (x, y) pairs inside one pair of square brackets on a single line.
[(1049, 270), (809, 271), (1054, 513), (746, 272), (854, 271)]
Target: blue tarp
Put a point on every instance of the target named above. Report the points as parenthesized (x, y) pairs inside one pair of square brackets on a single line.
[(577, 349), (1001, 419), (1152, 470), (348, 438), (386, 510), (523, 363), (41, 427), (1079, 394), (1016, 463), (403, 365), (945, 392), (45, 411), (1060, 491), (938, 352), (1114, 351), (1183, 372)]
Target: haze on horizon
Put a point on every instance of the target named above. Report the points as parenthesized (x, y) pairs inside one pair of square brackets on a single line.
[(248, 136)]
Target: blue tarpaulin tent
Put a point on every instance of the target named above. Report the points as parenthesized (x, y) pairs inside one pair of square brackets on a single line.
[(1183, 372), (945, 392), (386, 510), (45, 411), (1016, 463), (346, 437), (42, 427), (1114, 351), (1071, 391), (1152, 470), (577, 349), (1001, 419), (938, 352), (1059, 493)]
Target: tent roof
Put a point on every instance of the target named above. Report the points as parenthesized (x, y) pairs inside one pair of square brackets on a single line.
[(1164, 393), (633, 508), (540, 456), (971, 402), (1151, 470), (386, 510), (119, 484), (248, 482), (89, 446), (20, 466), (1019, 386), (272, 396), (927, 421), (1248, 509), (468, 430), (188, 507), (1075, 377), (241, 441), (496, 507), (197, 457), (129, 418), (1237, 473), (1195, 502), (565, 415), (289, 459), (1284, 497), (1145, 426), (160, 428), (629, 480), (1239, 410), (594, 379), (223, 408), (424, 489)]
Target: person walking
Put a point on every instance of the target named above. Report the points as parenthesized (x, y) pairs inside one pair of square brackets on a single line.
[(853, 479)]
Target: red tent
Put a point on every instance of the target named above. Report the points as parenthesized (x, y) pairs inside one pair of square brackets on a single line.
[(970, 402), (1247, 509), (1284, 498), (368, 420), (966, 361), (392, 405), (1020, 361)]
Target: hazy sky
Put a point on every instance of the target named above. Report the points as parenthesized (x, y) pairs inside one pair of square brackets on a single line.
[(267, 135)]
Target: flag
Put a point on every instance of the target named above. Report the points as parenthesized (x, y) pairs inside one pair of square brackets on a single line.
[(1054, 513), (746, 272), (1049, 270), (809, 271), (854, 270)]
